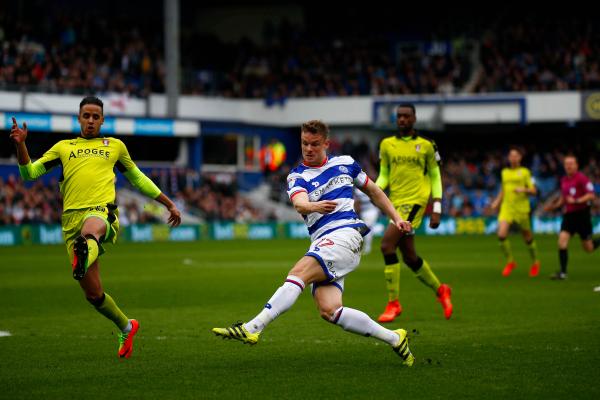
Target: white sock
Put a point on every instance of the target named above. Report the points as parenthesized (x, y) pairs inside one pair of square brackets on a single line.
[(280, 302), (356, 321), (127, 329)]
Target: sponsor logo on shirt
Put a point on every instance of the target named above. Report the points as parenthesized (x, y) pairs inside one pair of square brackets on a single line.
[(87, 153), (405, 160), (337, 181)]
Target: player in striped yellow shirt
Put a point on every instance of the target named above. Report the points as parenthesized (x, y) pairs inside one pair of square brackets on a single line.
[(90, 215), (517, 186)]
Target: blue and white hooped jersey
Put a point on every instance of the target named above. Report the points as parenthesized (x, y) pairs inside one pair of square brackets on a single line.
[(334, 180)]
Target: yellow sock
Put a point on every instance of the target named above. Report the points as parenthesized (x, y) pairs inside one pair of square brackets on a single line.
[(110, 310), (532, 250), (92, 251), (392, 281), (506, 250), (426, 275)]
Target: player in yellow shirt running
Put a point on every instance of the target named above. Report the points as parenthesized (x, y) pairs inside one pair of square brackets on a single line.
[(410, 167), (90, 216), (517, 186)]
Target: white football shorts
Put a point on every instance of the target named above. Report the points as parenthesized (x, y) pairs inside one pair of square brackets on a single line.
[(338, 252)]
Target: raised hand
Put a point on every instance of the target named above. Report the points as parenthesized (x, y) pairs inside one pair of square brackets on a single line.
[(18, 135)]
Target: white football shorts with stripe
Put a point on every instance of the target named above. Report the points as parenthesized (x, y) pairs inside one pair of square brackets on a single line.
[(338, 253)]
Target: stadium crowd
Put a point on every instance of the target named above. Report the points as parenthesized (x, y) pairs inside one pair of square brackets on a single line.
[(80, 54), (99, 54), (471, 181), (540, 57), (206, 197), (38, 204)]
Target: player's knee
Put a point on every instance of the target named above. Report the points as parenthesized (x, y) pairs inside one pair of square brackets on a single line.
[(328, 312), (413, 262), (91, 234), (388, 247), (501, 237)]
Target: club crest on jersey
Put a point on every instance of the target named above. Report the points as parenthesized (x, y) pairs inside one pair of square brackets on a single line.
[(343, 169), (105, 142), (291, 183), (418, 147), (572, 191), (315, 184)]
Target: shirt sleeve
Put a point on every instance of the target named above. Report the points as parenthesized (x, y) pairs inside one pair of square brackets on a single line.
[(296, 184), (435, 176), (360, 177), (529, 180), (384, 171), (49, 160), (124, 163), (433, 157), (127, 167), (587, 184)]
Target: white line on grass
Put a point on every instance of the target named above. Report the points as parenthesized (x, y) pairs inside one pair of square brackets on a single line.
[(5, 334)]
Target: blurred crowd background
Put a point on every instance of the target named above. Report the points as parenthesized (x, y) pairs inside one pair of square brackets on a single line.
[(63, 48), (471, 180), (83, 51)]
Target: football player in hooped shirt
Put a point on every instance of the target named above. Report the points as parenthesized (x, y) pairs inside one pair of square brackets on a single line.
[(577, 194), (321, 190)]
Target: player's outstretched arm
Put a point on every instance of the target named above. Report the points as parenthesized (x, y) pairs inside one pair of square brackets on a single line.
[(148, 188), (18, 136), (496, 203), (175, 215), (304, 206), (554, 204), (379, 198), (145, 185), (28, 170)]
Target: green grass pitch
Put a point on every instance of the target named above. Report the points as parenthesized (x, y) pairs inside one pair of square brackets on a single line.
[(513, 337)]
